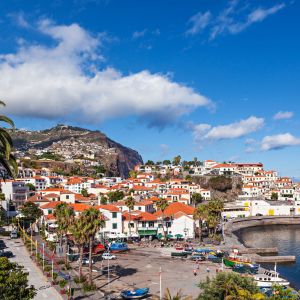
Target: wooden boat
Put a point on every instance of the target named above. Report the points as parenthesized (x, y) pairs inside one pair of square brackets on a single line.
[(179, 254), (118, 247), (134, 294)]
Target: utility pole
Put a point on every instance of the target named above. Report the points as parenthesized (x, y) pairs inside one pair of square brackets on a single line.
[(43, 256), (108, 279), (160, 292)]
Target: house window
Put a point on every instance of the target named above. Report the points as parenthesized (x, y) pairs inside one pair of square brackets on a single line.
[(139, 208), (114, 226), (143, 224), (67, 197), (131, 225), (151, 224), (114, 214)]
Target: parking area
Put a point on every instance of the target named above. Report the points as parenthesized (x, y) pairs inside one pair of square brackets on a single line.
[(36, 277), (140, 267)]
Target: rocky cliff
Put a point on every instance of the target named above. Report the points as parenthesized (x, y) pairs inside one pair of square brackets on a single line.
[(74, 144)]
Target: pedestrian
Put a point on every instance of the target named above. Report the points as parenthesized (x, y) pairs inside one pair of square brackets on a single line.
[(207, 270), (195, 272)]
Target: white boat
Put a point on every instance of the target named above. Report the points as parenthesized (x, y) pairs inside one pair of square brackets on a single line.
[(269, 278)]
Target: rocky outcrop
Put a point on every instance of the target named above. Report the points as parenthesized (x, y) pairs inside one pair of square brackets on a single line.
[(66, 141)]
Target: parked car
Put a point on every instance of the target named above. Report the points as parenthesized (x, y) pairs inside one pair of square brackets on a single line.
[(7, 254), (108, 256), (86, 261), (14, 234)]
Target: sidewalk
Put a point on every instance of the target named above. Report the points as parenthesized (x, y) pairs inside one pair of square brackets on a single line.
[(36, 277)]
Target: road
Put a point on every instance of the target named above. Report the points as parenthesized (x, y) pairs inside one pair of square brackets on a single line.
[(36, 276)]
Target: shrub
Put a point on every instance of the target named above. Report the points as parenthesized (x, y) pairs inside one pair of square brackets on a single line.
[(62, 283), (60, 262), (88, 287), (78, 280), (47, 268), (55, 275)]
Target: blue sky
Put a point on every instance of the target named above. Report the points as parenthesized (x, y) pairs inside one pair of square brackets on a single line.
[(212, 79)]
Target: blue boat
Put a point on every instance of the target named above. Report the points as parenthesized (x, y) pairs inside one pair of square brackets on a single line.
[(118, 247), (202, 250), (135, 294)]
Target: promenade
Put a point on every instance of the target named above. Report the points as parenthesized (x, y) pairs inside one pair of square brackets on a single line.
[(36, 277)]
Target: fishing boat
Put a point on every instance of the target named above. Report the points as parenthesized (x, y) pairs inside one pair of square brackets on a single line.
[(268, 278), (118, 247), (234, 258), (134, 294)]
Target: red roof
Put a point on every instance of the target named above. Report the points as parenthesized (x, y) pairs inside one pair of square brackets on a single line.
[(108, 207), (50, 205), (176, 207)]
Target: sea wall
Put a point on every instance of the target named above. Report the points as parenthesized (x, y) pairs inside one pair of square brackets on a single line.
[(231, 240)]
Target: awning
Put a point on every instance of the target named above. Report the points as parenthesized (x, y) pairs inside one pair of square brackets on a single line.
[(147, 232)]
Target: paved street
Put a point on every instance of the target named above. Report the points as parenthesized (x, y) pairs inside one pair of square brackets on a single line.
[(36, 277)]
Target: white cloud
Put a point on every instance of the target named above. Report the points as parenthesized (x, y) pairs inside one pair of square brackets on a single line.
[(65, 81), (198, 22), (281, 115), (279, 141), (233, 19), (19, 19), (229, 131), (139, 34)]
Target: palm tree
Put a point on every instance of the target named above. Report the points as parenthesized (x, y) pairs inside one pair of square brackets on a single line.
[(177, 296), (162, 204), (130, 202), (64, 216), (7, 160), (200, 214), (92, 222), (215, 208), (79, 237)]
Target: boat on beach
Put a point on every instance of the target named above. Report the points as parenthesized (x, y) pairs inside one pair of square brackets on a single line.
[(135, 294), (118, 247)]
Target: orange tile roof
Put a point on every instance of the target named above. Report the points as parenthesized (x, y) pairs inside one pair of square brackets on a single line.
[(49, 205), (79, 206), (176, 207), (109, 207)]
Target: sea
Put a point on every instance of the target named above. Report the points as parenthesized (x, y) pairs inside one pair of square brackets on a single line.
[(286, 238)]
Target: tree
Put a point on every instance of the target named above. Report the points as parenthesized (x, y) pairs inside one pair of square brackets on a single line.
[(79, 237), (84, 193), (197, 198), (31, 211), (162, 204), (177, 296), (200, 214), (166, 162), (115, 196), (280, 292), (103, 200), (274, 196), (133, 174), (7, 160), (226, 285), (215, 208), (64, 216), (149, 163), (30, 186), (176, 160), (14, 282), (92, 222), (130, 202)]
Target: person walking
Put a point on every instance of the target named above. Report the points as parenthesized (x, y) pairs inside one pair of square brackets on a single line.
[(195, 272)]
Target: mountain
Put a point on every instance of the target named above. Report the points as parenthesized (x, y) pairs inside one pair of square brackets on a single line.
[(67, 145)]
